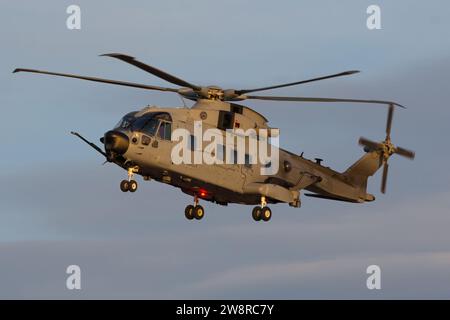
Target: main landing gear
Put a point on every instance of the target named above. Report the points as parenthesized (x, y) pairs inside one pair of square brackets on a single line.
[(194, 211), (130, 184), (262, 212)]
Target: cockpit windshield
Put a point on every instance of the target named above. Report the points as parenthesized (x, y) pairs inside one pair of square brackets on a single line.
[(148, 123), (126, 121)]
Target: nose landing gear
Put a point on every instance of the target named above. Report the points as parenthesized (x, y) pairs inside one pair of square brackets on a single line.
[(262, 212), (194, 211), (130, 184)]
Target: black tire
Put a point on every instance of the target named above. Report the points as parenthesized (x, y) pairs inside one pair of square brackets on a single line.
[(199, 212), (266, 213), (124, 186), (189, 212), (256, 213), (132, 187)]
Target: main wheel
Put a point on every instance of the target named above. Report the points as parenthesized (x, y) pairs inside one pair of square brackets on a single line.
[(256, 213), (124, 186), (199, 212), (266, 213), (132, 187), (189, 212)]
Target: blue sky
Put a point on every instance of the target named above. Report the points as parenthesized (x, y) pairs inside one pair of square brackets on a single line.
[(60, 206)]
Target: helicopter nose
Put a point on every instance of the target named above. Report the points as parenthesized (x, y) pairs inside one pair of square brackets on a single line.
[(116, 142)]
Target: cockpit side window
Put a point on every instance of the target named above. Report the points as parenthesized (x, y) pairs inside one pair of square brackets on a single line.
[(150, 126), (165, 130), (140, 122)]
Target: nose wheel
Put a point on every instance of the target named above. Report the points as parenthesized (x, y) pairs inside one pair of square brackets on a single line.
[(195, 211), (262, 212), (130, 184)]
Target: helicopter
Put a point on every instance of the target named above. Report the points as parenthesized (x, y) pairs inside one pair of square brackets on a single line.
[(142, 144)]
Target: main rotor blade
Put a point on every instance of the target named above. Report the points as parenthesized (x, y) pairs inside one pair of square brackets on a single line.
[(346, 73), (372, 145), (311, 99), (389, 121), (384, 178), (157, 72), (120, 83), (405, 153)]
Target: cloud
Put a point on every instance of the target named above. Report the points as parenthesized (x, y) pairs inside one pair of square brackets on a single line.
[(403, 276)]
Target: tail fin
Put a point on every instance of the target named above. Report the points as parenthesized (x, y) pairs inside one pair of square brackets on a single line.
[(363, 168)]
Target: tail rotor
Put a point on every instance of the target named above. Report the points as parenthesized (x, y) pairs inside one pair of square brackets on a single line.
[(386, 148)]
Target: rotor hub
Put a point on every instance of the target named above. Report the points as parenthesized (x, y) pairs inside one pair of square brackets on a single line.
[(388, 148), (214, 93)]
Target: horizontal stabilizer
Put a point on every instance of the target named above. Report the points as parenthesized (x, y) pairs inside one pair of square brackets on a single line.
[(321, 196), (272, 191)]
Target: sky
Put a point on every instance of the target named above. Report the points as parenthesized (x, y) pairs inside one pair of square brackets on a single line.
[(60, 206)]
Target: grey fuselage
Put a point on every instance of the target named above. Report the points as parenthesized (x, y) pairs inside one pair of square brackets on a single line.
[(239, 183)]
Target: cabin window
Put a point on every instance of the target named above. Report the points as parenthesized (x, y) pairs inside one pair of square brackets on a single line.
[(191, 143), (235, 157), (232, 153), (248, 160), (226, 120), (220, 156), (236, 108), (222, 151)]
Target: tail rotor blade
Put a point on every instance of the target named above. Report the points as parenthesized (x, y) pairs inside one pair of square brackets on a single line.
[(372, 145), (405, 153), (389, 120), (384, 178)]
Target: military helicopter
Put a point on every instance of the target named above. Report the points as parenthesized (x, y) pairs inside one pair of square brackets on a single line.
[(141, 144)]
